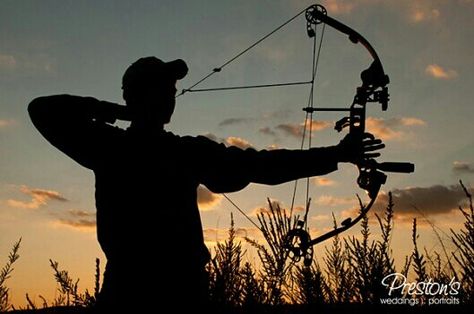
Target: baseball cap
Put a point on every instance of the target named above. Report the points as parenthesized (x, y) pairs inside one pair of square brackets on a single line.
[(148, 70)]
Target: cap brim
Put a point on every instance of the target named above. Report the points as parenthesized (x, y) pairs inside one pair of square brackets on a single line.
[(177, 68)]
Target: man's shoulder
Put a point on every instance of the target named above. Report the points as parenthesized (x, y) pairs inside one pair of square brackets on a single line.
[(194, 140), (111, 131)]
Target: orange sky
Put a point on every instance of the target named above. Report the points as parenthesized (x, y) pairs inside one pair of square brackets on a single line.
[(82, 48)]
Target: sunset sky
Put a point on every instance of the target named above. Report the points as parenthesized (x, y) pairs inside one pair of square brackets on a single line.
[(83, 47)]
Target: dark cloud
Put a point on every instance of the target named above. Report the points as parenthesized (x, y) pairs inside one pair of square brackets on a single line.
[(232, 121), (213, 137), (437, 199), (206, 199), (80, 213), (80, 219), (46, 194), (297, 130), (79, 223), (463, 167), (291, 129), (267, 131)]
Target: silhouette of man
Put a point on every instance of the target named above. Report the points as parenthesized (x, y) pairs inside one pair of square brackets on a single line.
[(148, 223)]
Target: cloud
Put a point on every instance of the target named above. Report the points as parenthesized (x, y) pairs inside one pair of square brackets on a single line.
[(79, 219), (291, 129), (7, 62), (267, 131), (213, 137), (463, 167), (327, 200), (318, 125), (415, 11), (277, 206), (389, 129), (206, 199), (438, 72), (433, 200), (238, 142), (422, 11), (321, 181), (423, 15), (344, 7), (273, 146), (39, 198), (214, 235), (297, 130), (4, 123), (338, 7), (260, 210), (320, 217), (230, 141), (27, 64), (232, 121)]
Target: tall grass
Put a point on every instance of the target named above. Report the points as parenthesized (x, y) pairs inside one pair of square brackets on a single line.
[(349, 272), (225, 271), (5, 274), (464, 255), (353, 266)]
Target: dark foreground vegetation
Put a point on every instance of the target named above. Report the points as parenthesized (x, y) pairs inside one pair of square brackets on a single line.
[(348, 280)]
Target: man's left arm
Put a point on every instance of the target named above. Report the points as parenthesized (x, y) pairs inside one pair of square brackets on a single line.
[(229, 169)]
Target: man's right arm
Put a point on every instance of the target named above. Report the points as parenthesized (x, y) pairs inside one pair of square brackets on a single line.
[(75, 125)]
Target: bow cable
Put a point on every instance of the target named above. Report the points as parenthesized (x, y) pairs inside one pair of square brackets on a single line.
[(219, 69)]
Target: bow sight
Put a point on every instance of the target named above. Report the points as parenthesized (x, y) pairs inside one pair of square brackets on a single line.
[(373, 90)]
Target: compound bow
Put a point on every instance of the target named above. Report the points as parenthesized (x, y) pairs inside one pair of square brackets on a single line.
[(374, 89)]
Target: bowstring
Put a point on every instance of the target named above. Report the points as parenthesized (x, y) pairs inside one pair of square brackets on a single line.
[(309, 114), (219, 69), (308, 122)]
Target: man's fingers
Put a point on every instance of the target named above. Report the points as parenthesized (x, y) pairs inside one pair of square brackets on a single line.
[(371, 155), (372, 142), (369, 135), (373, 147)]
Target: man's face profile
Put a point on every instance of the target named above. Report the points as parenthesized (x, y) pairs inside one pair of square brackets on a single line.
[(149, 89)]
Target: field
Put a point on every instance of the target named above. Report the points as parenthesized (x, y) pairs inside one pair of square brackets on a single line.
[(357, 274)]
